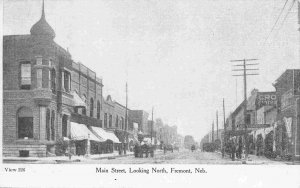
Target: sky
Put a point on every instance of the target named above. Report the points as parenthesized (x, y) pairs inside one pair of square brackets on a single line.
[(174, 54)]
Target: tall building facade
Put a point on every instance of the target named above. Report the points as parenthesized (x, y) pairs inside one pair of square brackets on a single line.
[(43, 88)]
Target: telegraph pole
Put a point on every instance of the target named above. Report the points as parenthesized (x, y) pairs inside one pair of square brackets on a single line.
[(224, 125), (126, 116), (152, 125), (245, 74), (217, 124), (212, 133)]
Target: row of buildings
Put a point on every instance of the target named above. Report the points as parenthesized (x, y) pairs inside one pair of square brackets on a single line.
[(48, 98), (272, 122)]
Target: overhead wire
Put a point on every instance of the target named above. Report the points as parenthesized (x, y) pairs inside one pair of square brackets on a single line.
[(282, 9)]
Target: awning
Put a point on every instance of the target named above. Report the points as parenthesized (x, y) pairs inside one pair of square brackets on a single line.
[(78, 102), (81, 132), (104, 134), (113, 137)]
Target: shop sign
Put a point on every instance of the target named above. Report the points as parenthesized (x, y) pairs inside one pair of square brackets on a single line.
[(255, 126), (266, 99)]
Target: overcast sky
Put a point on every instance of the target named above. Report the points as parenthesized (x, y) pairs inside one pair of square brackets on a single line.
[(174, 54)]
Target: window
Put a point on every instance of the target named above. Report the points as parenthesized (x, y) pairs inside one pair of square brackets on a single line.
[(52, 125), (110, 120), (25, 123), (98, 110), (84, 109), (48, 131), (53, 80), (91, 107), (117, 121), (67, 81), (105, 120), (25, 75), (122, 126), (64, 126)]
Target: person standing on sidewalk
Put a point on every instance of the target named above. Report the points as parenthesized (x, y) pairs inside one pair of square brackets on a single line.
[(232, 150), (124, 147)]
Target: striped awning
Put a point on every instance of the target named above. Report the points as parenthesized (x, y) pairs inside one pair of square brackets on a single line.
[(105, 135), (81, 132)]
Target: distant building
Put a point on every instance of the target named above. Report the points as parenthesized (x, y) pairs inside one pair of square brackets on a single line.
[(140, 117)]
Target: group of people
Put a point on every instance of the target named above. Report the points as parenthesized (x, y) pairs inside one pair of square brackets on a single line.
[(235, 149)]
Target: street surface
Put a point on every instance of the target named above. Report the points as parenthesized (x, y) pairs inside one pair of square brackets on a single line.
[(182, 157), (177, 157)]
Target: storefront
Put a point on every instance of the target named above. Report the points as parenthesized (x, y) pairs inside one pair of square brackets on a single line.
[(82, 137), (287, 142), (109, 144)]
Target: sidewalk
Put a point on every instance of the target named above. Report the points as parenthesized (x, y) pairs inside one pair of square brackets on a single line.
[(63, 159), (256, 160)]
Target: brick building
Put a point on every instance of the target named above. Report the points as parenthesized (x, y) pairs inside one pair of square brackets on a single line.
[(287, 128), (41, 83), (140, 117)]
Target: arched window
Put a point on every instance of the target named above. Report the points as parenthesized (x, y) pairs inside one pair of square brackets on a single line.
[(91, 107), (65, 126), (52, 125), (105, 120), (25, 123), (110, 120), (48, 131), (84, 109), (117, 121), (53, 80), (67, 81), (98, 110)]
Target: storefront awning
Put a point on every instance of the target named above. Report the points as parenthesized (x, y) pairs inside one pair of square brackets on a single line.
[(105, 135), (78, 102), (81, 132)]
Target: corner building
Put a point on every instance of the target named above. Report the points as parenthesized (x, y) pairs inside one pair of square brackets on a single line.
[(40, 83)]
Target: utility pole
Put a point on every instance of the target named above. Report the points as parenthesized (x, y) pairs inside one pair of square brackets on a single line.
[(152, 125), (224, 125), (245, 74), (217, 125), (126, 115), (212, 133)]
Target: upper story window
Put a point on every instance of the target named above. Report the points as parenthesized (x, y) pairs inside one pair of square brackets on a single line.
[(122, 126), (91, 107), (105, 120), (25, 75), (53, 80), (67, 81), (117, 121), (84, 109), (110, 120), (98, 110)]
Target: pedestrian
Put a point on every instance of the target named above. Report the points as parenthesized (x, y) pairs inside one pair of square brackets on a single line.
[(120, 151), (232, 150), (124, 148)]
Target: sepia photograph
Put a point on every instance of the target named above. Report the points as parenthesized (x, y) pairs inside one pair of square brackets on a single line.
[(149, 82)]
